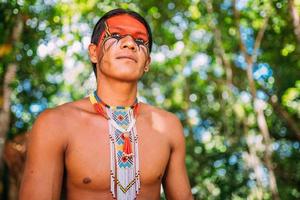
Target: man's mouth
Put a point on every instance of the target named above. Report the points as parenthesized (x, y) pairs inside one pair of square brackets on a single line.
[(127, 57)]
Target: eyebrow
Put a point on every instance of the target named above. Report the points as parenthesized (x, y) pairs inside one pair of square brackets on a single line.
[(138, 32)]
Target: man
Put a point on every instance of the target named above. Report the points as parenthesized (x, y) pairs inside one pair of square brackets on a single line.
[(109, 145)]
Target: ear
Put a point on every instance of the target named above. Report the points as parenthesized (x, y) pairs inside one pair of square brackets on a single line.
[(93, 53), (147, 64)]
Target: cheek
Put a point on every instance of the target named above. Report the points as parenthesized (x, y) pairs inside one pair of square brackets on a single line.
[(143, 57), (105, 50), (144, 51), (106, 59), (106, 45), (109, 44)]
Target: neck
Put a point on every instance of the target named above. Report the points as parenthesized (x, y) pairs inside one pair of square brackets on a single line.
[(115, 92)]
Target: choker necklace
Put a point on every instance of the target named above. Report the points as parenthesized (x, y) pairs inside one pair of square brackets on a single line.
[(124, 159), (117, 107), (98, 105)]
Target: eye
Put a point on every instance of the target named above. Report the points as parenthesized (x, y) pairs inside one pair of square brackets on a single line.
[(140, 41), (116, 36)]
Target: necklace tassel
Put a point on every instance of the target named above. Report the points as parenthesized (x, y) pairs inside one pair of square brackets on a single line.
[(127, 150)]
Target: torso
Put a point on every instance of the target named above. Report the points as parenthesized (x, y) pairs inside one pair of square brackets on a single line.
[(87, 156)]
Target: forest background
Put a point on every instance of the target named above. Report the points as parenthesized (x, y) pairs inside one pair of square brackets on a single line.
[(229, 69)]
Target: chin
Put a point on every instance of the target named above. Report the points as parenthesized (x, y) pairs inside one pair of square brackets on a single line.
[(124, 75), (128, 71), (123, 71), (128, 77)]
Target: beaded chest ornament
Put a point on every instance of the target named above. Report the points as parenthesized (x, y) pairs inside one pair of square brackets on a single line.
[(124, 158)]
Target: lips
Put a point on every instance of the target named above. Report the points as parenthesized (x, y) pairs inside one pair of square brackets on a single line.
[(127, 57)]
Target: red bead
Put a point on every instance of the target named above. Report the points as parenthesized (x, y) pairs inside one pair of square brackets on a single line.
[(120, 117), (124, 159)]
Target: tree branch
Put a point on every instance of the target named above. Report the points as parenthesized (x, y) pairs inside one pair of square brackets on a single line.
[(259, 37), (279, 109), (219, 47), (285, 115)]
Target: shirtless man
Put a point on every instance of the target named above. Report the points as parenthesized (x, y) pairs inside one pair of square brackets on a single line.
[(69, 145)]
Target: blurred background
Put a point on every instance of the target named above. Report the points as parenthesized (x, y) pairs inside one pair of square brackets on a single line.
[(230, 70)]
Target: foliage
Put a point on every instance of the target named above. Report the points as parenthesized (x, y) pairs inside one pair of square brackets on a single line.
[(219, 118)]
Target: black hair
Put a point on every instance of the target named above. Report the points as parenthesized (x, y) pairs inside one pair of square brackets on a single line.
[(99, 27)]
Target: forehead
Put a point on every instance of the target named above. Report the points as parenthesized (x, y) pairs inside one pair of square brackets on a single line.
[(126, 24)]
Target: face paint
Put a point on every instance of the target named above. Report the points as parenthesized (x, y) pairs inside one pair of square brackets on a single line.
[(121, 26)]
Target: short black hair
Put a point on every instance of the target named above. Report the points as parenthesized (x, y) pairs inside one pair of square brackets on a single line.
[(99, 27)]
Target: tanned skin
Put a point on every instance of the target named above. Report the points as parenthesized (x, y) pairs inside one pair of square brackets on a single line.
[(69, 144)]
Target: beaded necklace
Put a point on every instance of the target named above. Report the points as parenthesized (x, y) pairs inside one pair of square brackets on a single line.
[(124, 158)]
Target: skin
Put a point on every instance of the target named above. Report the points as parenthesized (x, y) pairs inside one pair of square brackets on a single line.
[(69, 144)]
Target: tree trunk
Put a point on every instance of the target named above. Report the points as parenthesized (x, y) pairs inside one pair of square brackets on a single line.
[(5, 112), (295, 17), (258, 103), (9, 76)]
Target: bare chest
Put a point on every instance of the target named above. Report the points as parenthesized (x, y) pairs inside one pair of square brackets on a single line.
[(87, 160)]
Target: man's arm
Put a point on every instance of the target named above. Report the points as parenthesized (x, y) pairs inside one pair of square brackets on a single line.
[(42, 179), (176, 184)]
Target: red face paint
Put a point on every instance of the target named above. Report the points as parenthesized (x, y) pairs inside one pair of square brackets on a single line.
[(122, 25)]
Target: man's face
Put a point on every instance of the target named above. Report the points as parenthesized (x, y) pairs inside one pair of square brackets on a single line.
[(122, 51)]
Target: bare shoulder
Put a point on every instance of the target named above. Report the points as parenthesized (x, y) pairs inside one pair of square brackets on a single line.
[(55, 121), (161, 116), (67, 110), (164, 121)]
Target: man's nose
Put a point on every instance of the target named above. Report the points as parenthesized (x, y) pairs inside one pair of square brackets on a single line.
[(128, 42)]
